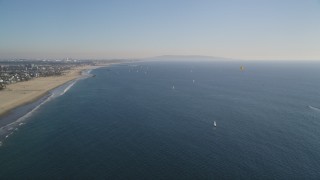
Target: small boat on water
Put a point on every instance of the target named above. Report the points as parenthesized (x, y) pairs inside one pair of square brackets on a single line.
[(214, 124), (241, 68)]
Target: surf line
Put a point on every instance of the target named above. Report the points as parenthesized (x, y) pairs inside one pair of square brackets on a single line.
[(314, 108), (20, 114)]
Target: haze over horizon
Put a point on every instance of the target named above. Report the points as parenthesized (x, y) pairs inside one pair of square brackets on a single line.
[(247, 29)]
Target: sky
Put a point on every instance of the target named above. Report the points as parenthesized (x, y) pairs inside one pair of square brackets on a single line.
[(240, 29)]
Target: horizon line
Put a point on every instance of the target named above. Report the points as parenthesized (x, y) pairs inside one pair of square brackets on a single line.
[(161, 56)]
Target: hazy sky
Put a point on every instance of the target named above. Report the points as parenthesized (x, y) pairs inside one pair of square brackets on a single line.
[(247, 29)]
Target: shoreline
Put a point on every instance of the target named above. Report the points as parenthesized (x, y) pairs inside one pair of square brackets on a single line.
[(17, 114), (24, 93)]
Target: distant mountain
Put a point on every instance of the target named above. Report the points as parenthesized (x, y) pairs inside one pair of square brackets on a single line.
[(188, 57)]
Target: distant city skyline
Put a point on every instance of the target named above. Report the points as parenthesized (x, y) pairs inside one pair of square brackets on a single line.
[(97, 29)]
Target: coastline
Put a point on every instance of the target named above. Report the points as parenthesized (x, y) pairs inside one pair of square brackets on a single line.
[(23, 93), (18, 101)]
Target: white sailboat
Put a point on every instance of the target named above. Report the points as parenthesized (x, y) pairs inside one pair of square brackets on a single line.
[(214, 124)]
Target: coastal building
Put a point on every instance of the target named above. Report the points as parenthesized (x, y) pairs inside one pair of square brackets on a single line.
[(17, 71)]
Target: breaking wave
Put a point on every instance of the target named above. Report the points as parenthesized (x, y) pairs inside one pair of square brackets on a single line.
[(68, 88), (19, 115), (314, 108)]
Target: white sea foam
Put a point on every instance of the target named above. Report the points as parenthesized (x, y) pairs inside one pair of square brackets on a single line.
[(8, 129), (314, 108), (18, 122), (53, 95), (68, 88)]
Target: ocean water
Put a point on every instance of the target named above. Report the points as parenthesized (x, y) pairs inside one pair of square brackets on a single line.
[(154, 120)]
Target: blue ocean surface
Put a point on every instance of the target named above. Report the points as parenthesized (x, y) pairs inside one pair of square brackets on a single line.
[(154, 120)]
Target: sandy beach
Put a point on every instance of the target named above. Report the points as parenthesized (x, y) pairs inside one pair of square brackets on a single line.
[(21, 93)]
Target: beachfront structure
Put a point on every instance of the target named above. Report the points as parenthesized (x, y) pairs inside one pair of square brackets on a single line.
[(17, 71)]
